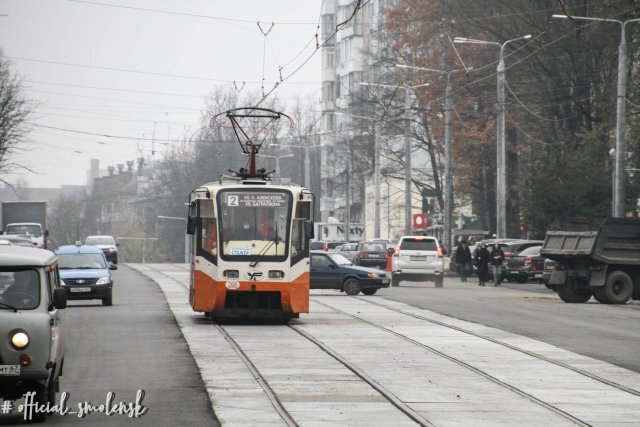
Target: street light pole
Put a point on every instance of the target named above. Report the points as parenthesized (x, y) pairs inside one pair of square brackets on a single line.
[(621, 107), (501, 168), (407, 155), (307, 161), (448, 166), (277, 162)]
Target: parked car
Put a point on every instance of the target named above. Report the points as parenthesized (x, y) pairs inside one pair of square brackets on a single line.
[(509, 247), (524, 266), (324, 245), (418, 258), (85, 273), (32, 327), (371, 253), (331, 270), (549, 266), (348, 250), (107, 244)]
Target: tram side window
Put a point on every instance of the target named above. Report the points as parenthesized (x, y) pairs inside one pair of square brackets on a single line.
[(298, 241), (210, 236)]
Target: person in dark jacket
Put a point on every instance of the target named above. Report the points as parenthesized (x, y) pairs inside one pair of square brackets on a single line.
[(497, 258), (481, 261), (463, 258)]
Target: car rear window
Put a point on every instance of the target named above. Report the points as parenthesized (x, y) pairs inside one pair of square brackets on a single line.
[(418, 245), (532, 251), (373, 247)]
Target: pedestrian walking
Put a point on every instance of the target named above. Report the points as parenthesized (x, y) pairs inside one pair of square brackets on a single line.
[(463, 258), (497, 258), (481, 261)]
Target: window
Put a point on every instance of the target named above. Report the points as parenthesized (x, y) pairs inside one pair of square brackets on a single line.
[(20, 288), (320, 261), (253, 223), (418, 245)]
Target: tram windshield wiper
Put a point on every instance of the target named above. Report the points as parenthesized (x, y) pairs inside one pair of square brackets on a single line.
[(266, 247)]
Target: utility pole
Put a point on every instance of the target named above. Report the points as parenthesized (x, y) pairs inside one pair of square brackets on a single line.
[(407, 165), (501, 167), (621, 113), (448, 165)]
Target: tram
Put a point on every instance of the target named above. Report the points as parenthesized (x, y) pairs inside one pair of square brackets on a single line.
[(250, 240)]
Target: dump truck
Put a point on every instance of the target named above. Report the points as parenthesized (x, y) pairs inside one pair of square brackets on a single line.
[(604, 264), (27, 218)]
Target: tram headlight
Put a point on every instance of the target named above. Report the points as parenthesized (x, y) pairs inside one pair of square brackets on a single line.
[(231, 274), (276, 274)]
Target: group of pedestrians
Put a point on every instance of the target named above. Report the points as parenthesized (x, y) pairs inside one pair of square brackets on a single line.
[(482, 258)]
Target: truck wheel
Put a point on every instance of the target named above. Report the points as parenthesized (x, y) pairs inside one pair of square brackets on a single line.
[(395, 280), (351, 287), (599, 295), (568, 294), (618, 287)]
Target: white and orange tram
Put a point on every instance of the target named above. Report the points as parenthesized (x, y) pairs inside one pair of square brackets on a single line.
[(250, 247)]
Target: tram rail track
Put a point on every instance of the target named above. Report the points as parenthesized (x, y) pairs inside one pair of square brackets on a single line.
[(389, 396)]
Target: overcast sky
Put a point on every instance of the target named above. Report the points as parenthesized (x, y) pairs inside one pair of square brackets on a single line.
[(121, 67)]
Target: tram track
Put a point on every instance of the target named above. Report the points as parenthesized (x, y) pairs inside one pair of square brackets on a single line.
[(272, 396), (461, 363), (301, 328), (588, 374)]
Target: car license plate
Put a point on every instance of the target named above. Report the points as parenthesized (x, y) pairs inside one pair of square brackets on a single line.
[(83, 289), (417, 258), (385, 281), (9, 370), (538, 275)]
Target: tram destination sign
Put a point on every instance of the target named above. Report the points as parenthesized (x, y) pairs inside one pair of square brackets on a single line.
[(257, 200)]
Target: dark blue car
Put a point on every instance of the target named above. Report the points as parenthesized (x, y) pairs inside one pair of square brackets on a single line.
[(334, 271), (85, 274)]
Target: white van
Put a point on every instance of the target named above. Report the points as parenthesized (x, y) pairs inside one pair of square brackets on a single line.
[(31, 325), (418, 259)]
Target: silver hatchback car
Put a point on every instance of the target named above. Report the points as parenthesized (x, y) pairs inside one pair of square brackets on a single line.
[(418, 259), (31, 325)]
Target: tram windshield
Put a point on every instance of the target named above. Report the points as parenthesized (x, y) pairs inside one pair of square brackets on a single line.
[(254, 223)]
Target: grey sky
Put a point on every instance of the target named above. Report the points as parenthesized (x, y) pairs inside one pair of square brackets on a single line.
[(74, 55)]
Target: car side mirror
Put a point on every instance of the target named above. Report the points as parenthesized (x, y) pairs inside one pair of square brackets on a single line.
[(112, 266), (59, 298)]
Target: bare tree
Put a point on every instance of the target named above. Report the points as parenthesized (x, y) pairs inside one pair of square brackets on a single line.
[(15, 111)]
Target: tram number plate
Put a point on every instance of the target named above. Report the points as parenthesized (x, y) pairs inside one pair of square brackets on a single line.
[(232, 284), (9, 370), (83, 289)]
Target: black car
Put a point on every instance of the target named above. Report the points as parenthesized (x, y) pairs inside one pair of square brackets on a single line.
[(333, 271), (524, 266), (372, 253)]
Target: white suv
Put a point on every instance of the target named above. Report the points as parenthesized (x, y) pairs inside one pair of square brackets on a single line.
[(418, 258)]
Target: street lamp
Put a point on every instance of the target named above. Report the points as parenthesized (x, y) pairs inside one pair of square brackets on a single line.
[(376, 174), (448, 187), (619, 181), (407, 155), (501, 169), (277, 162), (307, 161)]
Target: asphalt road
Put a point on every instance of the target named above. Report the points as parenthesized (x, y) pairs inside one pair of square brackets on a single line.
[(133, 345), (604, 332)]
